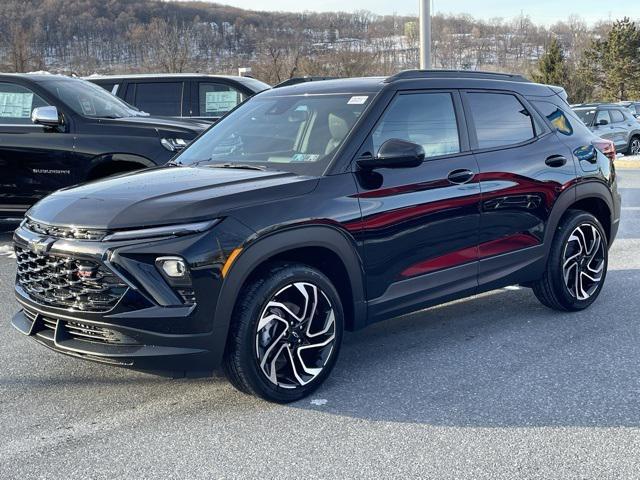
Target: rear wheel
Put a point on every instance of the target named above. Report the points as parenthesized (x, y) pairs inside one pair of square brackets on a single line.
[(577, 264), (285, 334)]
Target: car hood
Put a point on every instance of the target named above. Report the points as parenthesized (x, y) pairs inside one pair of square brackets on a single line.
[(161, 123), (166, 195)]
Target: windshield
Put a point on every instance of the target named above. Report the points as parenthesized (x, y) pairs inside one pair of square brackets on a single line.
[(586, 114), (90, 100), (298, 133)]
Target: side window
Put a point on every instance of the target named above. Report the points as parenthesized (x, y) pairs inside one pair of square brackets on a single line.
[(500, 119), (616, 116), (216, 99), (160, 98), (17, 103), (427, 119), (602, 115), (559, 119)]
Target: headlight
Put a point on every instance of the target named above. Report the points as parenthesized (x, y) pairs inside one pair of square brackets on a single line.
[(167, 231), (174, 144)]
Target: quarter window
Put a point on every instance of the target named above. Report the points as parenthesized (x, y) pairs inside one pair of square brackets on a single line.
[(427, 119), (17, 103), (500, 119), (558, 118), (217, 99), (160, 98)]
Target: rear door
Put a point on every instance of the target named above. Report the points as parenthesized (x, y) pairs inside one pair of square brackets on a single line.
[(620, 128), (420, 224), (523, 169), (34, 160)]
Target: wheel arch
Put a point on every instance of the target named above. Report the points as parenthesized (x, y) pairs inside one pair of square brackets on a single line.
[(320, 246), (116, 162), (591, 196)]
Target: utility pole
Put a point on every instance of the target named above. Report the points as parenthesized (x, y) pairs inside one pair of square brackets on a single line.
[(425, 34)]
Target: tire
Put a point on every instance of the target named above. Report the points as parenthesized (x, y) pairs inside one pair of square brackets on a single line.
[(270, 349), (577, 264), (634, 146)]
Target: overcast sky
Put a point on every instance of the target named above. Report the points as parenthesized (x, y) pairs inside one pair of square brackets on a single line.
[(540, 11)]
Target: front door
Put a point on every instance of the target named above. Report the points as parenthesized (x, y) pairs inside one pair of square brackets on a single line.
[(420, 224), (34, 160)]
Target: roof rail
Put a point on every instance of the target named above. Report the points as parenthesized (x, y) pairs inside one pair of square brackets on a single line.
[(297, 80), (414, 74)]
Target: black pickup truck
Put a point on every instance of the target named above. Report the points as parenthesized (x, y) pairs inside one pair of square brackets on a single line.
[(57, 131)]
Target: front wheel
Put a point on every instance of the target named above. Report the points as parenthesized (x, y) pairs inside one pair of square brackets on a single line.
[(577, 264), (634, 146), (285, 334)]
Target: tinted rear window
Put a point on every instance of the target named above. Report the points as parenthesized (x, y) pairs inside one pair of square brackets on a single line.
[(160, 98), (500, 119)]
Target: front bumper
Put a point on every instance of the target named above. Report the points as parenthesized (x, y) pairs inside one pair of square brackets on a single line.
[(151, 327)]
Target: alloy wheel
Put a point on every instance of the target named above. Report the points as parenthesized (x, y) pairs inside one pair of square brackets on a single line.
[(296, 335), (635, 146), (583, 261)]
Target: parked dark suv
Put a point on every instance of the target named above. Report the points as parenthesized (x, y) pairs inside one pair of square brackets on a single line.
[(183, 95), (318, 208), (57, 131)]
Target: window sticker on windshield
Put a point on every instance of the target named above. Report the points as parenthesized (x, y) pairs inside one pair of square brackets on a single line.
[(220, 101), (87, 106), (357, 100), (15, 104), (305, 157)]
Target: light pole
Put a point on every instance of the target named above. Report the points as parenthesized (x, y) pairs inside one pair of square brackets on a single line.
[(425, 34)]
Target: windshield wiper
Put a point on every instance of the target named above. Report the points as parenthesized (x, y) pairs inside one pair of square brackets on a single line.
[(242, 166)]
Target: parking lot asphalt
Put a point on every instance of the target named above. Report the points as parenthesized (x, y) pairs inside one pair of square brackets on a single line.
[(495, 386)]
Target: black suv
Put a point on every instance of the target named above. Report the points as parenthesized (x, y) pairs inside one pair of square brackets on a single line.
[(318, 208), (57, 131), (184, 95)]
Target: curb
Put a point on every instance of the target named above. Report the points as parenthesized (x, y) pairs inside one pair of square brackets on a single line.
[(627, 164)]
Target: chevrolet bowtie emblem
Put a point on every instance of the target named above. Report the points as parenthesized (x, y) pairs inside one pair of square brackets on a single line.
[(42, 245)]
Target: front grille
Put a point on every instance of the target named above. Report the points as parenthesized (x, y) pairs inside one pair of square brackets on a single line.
[(65, 232), (67, 282), (75, 330), (92, 333)]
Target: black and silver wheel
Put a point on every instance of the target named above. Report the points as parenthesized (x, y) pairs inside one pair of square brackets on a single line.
[(583, 261), (634, 146), (577, 264), (286, 333)]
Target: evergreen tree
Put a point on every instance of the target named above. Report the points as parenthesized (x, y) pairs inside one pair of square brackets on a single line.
[(615, 61), (552, 68)]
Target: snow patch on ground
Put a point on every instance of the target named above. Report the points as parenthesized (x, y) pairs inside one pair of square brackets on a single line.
[(7, 251)]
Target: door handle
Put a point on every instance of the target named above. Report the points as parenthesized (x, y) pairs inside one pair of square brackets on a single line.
[(556, 160), (460, 176)]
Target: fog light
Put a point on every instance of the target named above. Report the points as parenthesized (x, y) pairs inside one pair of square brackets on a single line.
[(174, 270), (173, 267)]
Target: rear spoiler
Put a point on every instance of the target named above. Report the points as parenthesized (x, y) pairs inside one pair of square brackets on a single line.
[(559, 91)]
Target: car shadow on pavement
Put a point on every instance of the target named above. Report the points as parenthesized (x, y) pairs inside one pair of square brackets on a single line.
[(499, 359)]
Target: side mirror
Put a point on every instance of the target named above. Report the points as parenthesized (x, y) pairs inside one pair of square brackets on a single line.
[(47, 116), (394, 153), (602, 123)]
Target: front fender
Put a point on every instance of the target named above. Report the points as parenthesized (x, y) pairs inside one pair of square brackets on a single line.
[(258, 250)]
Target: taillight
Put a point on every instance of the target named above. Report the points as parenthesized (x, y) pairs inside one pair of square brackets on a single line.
[(607, 147)]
